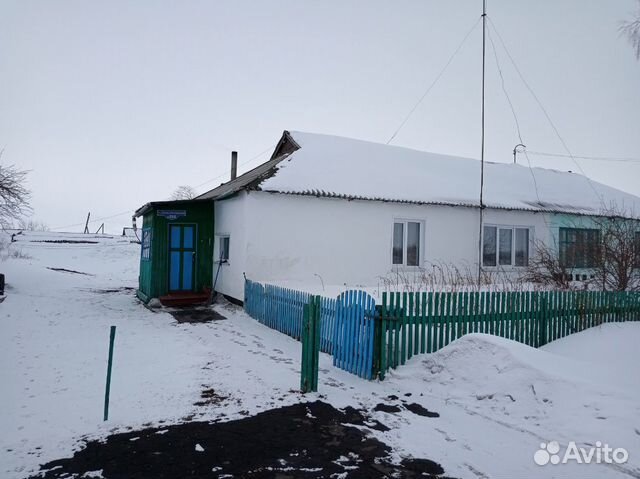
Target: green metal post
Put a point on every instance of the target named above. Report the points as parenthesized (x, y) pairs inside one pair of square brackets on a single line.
[(304, 367), (310, 345), (315, 324), (112, 338)]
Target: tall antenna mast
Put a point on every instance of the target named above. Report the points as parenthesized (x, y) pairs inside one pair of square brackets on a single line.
[(484, 35)]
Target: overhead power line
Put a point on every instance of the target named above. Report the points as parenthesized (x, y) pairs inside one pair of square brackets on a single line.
[(95, 220), (515, 116), (544, 111), (593, 158), (424, 95)]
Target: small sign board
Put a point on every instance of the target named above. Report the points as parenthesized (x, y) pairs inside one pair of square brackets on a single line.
[(172, 214)]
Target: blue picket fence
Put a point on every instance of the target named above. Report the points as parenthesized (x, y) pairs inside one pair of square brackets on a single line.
[(278, 308), (346, 322), (354, 332), (282, 309), (327, 324)]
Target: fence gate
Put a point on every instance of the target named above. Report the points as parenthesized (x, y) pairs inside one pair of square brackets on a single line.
[(354, 333)]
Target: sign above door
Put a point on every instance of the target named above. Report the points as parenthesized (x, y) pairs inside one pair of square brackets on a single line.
[(172, 214)]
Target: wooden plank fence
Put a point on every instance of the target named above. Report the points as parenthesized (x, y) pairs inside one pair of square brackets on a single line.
[(354, 333), (419, 323), (279, 308), (282, 309), (368, 340)]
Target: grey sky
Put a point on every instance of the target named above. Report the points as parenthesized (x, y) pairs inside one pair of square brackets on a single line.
[(113, 104)]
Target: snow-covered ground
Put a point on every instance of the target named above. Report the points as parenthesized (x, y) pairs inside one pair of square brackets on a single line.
[(497, 400)]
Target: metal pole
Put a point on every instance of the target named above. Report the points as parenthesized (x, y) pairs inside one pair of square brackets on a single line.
[(484, 30), (112, 338), (515, 151)]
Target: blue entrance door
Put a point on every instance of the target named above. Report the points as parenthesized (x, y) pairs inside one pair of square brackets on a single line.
[(182, 257)]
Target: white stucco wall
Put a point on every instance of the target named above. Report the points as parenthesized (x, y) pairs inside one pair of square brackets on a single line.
[(302, 239), (230, 219)]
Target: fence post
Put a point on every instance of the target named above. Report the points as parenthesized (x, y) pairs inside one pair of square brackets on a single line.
[(542, 333), (316, 342), (310, 345), (107, 391), (377, 343)]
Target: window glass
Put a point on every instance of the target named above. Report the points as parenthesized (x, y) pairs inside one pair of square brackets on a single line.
[(592, 248), (188, 237), (224, 248), (522, 247), (413, 243), (489, 246), (174, 271), (505, 246), (579, 247), (174, 232), (398, 242)]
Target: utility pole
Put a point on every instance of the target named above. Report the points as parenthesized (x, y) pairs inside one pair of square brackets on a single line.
[(484, 41)]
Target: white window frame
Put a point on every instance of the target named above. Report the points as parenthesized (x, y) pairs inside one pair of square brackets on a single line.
[(218, 248), (513, 229), (421, 249)]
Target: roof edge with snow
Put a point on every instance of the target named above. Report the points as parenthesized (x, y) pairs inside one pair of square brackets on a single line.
[(307, 164)]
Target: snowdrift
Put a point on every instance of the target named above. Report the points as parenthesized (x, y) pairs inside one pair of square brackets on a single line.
[(550, 395)]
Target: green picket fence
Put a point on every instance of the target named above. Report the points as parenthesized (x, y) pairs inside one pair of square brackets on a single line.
[(418, 323)]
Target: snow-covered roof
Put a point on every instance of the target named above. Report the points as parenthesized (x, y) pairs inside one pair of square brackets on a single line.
[(333, 166)]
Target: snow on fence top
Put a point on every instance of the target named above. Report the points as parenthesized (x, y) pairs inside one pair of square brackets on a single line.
[(335, 166)]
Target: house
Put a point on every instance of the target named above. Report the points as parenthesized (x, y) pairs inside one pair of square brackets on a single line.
[(347, 212)]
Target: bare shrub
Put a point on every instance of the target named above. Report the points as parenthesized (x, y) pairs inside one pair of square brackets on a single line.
[(545, 268), (631, 29), (33, 225), (609, 260), (14, 196), (18, 254), (443, 276), (619, 254)]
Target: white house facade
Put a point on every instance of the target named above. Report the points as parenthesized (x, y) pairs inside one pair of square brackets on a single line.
[(335, 211)]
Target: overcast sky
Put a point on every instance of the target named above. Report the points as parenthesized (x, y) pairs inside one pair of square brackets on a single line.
[(113, 104)]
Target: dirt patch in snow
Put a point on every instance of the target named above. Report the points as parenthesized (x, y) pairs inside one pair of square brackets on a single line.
[(390, 408), (306, 440), (209, 397), (420, 410), (195, 315)]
